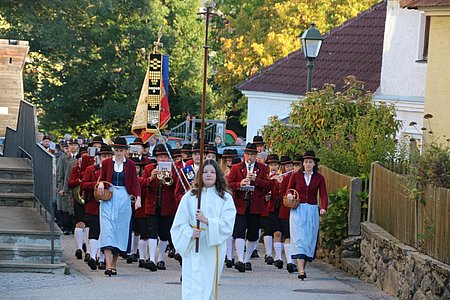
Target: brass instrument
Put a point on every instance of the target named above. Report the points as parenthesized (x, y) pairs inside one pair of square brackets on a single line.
[(165, 173), (78, 197)]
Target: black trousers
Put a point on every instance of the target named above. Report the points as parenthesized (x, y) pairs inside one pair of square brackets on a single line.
[(159, 226), (247, 223)]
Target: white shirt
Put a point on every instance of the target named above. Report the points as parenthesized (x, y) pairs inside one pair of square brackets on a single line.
[(307, 180), (249, 167), (118, 167)]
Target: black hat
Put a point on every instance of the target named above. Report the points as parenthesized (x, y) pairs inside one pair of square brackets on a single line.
[(285, 160), (81, 151), (64, 144), (96, 139), (72, 141), (236, 161), (310, 154), (120, 143), (196, 148), (105, 149), (258, 140), (176, 153), (273, 158), (186, 148), (146, 145), (229, 153), (297, 159), (46, 137), (213, 150), (159, 149), (251, 147), (138, 161), (137, 141)]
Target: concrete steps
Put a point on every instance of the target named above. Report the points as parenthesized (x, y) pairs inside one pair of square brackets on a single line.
[(15, 185), (29, 253), (32, 267), (351, 265), (17, 199)]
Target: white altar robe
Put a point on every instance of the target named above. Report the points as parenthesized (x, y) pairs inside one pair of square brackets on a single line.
[(199, 269)]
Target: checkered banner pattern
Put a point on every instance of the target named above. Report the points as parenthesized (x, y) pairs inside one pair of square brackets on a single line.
[(154, 87)]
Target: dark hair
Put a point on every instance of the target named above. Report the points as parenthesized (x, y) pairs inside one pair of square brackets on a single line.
[(315, 168), (221, 184)]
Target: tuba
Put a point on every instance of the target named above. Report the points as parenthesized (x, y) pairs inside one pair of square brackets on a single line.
[(77, 195)]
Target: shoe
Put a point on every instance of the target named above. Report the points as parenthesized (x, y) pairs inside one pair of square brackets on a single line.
[(135, 257), (161, 265), (240, 266), (113, 272), (124, 255), (171, 253), (108, 272), (290, 267), (229, 263), (302, 275), (255, 254), (141, 263), (269, 260), (178, 258), (91, 263), (278, 263), (101, 265), (87, 257), (84, 247), (66, 232), (248, 266), (151, 266), (129, 259), (79, 254)]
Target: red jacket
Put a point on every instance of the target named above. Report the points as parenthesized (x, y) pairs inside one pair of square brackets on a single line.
[(86, 161), (131, 178), (140, 212), (90, 177), (168, 203), (308, 194), (262, 187), (75, 177), (274, 201), (284, 211)]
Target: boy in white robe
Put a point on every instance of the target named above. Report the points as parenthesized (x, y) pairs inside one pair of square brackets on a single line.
[(201, 271)]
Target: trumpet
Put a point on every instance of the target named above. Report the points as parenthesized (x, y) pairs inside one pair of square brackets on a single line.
[(165, 176)]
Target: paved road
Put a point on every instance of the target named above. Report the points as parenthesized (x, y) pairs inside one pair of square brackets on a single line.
[(264, 282)]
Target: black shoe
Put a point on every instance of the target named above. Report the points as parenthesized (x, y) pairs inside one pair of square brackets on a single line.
[(108, 272), (269, 260), (66, 232), (278, 264), (239, 266), (161, 265), (79, 254), (290, 267), (171, 253), (129, 259), (229, 263), (91, 263), (248, 266), (124, 255), (141, 263), (255, 254), (151, 266), (84, 248), (101, 265), (135, 257), (87, 257), (178, 258), (113, 272), (302, 275)]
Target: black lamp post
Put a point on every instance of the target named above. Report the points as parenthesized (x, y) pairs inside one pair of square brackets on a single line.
[(311, 43)]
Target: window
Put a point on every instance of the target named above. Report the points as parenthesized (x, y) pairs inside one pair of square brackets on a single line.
[(424, 37)]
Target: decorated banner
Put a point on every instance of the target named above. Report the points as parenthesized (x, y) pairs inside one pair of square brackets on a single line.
[(153, 106), (188, 174)]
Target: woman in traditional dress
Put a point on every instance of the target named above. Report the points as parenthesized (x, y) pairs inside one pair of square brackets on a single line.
[(201, 271), (304, 220), (115, 214)]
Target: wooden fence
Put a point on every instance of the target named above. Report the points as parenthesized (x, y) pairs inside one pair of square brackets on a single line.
[(424, 226)]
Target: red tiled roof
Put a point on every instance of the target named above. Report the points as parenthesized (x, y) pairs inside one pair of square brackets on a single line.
[(354, 48), (423, 3)]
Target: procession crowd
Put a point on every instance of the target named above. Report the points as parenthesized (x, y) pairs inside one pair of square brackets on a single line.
[(152, 207)]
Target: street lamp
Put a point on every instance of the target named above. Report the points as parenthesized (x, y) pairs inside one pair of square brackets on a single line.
[(311, 43)]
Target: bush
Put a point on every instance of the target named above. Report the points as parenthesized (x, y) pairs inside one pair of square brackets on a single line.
[(333, 227)]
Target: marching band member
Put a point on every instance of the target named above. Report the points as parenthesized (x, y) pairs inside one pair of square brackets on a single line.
[(244, 177), (201, 271), (227, 159), (92, 206), (287, 167), (160, 207), (304, 220), (115, 214), (186, 155), (211, 153)]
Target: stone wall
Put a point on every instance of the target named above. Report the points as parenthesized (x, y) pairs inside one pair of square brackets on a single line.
[(399, 269)]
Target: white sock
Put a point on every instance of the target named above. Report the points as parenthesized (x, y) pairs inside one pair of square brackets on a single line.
[(142, 245), (86, 236), (287, 252), (240, 245), (162, 249), (93, 247), (78, 232), (132, 243), (268, 239), (250, 247), (278, 250), (230, 248), (152, 243), (259, 233), (136, 240), (102, 256)]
